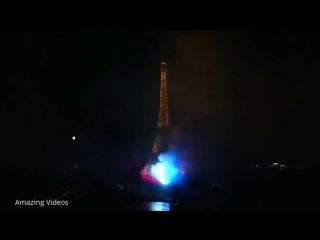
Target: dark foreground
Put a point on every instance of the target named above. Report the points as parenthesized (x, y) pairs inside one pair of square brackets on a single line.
[(278, 190)]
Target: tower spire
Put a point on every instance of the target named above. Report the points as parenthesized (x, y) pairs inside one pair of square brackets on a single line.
[(163, 120)]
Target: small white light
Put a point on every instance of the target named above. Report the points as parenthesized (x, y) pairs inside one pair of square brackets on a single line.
[(73, 138)]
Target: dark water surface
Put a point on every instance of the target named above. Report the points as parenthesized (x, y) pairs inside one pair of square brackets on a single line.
[(267, 191)]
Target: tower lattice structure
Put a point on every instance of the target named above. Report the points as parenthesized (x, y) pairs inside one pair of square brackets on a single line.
[(161, 142)]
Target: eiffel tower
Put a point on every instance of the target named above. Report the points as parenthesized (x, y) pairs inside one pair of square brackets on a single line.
[(161, 143)]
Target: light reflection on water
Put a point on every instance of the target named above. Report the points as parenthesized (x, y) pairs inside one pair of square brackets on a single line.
[(156, 206)]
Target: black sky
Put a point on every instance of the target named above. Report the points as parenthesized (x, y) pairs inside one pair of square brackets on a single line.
[(258, 89)]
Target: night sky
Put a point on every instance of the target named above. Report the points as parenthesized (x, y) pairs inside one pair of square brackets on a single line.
[(255, 92)]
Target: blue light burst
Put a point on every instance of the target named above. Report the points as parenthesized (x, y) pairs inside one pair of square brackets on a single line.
[(165, 171)]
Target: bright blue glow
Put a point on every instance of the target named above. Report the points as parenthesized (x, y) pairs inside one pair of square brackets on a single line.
[(159, 206), (165, 171)]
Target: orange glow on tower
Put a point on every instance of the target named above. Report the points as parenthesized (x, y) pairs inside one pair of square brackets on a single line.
[(163, 119)]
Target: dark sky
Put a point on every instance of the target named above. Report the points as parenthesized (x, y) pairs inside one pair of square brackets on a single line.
[(258, 89)]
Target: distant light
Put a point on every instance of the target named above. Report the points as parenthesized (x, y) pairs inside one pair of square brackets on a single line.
[(257, 165), (73, 138), (282, 165), (275, 164)]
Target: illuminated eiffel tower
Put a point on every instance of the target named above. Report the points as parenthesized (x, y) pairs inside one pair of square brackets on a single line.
[(161, 142)]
